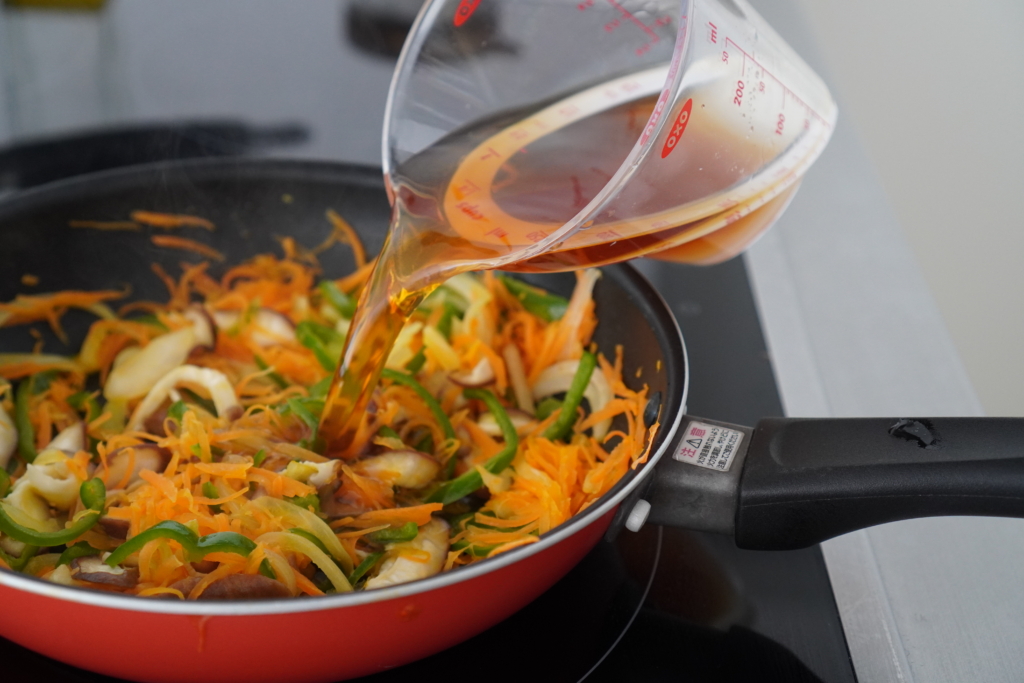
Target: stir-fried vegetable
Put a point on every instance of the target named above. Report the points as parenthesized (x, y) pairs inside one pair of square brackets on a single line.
[(177, 454)]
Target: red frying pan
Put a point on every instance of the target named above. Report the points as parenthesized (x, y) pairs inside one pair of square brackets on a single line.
[(783, 484)]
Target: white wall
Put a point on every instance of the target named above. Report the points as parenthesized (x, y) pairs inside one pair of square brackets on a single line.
[(935, 90)]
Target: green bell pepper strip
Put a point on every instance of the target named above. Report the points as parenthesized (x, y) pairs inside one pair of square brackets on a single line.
[(402, 534), (547, 406), (416, 362), (444, 325), (368, 563), (320, 389), (85, 400), (5, 482), (210, 491), (389, 433), (277, 379), (260, 456), (339, 300), (324, 342), (75, 551), (471, 480), (204, 403), (26, 432), (177, 411), (435, 407), (93, 494), (267, 570), (549, 307), (305, 502), (18, 563), (567, 414), (196, 547)]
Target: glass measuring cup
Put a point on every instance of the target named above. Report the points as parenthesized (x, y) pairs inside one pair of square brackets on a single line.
[(555, 134), (558, 134)]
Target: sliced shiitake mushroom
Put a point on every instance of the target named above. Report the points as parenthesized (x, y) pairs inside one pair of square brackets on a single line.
[(406, 468), (94, 570), (244, 587), (147, 457), (115, 528)]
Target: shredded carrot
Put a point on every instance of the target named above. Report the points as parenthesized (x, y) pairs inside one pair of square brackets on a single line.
[(28, 308), (174, 242), (394, 516), (347, 235), (171, 220), (210, 471), (105, 225)]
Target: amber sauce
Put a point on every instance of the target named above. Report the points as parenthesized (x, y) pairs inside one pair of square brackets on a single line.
[(545, 183)]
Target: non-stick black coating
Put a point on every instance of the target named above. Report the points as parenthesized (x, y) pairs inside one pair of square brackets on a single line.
[(253, 203)]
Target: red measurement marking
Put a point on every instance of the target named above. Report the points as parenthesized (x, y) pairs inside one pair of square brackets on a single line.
[(470, 210), (779, 126), (626, 14), (490, 153), (498, 232), (738, 98), (569, 110), (519, 134), (465, 189), (608, 235), (464, 11), (536, 236), (712, 33), (678, 126), (585, 4), (785, 90)]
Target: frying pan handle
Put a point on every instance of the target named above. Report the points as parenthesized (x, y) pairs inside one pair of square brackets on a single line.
[(807, 480)]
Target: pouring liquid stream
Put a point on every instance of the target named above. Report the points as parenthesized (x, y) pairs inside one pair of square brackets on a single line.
[(504, 197)]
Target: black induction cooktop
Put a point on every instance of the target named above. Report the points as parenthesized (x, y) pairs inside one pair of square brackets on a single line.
[(658, 605)]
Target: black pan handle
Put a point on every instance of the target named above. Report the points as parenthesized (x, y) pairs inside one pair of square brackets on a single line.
[(802, 481)]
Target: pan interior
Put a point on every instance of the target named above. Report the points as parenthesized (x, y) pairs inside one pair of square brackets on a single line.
[(253, 205)]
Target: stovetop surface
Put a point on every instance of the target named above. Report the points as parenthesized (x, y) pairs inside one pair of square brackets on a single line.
[(658, 605)]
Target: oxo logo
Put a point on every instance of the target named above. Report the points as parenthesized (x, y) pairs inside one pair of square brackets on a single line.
[(678, 126), (464, 11)]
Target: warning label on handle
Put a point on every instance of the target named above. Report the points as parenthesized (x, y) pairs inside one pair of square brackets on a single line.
[(709, 446)]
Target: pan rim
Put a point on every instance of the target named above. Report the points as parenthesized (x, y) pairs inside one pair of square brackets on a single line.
[(673, 407)]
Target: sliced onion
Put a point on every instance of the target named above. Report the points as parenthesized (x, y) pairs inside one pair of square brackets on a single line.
[(574, 312), (137, 374), (481, 374), (396, 568), (440, 348), (50, 478), (520, 420), (517, 378), (294, 516), (557, 378), (70, 440), (216, 383), (203, 325), (271, 328), (401, 352)]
